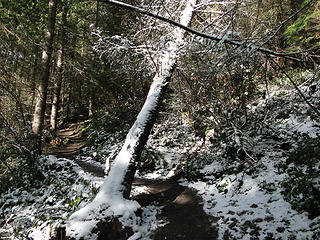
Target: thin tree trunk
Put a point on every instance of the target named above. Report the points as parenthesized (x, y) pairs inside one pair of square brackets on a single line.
[(119, 181), (94, 60), (69, 101), (57, 85), (19, 106), (33, 78), (90, 105), (38, 117)]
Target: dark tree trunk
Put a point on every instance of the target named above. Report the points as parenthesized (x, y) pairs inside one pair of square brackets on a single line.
[(33, 77), (69, 101), (57, 85)]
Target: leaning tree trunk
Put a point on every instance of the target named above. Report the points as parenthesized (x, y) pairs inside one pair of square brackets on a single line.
[(38, 116), (122, 172), (117, 185), (58, 82)]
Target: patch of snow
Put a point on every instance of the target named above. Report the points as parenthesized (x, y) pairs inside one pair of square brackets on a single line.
[(242, 209), (137, 190), (300, 125)]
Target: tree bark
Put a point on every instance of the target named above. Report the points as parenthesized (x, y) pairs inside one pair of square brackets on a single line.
[(119, 181), (69, 101), (91, 103), (57, 85), (94, 60), (39, 111), (33, 77), (139, 132)]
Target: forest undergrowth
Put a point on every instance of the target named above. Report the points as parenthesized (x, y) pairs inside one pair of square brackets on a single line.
[(258, 175)]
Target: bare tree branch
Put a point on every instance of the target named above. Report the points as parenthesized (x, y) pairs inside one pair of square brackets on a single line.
[(244, 44), (297, 88), (16, 145)]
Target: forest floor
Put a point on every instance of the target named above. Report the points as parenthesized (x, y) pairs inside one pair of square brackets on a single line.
[(72, 147), (260, 179), (181, 207)]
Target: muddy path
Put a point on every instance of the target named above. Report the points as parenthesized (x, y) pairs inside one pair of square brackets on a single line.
[(72, 147), (181, 207)]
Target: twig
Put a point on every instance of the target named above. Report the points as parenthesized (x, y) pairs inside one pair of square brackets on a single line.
[(297, 88), (7, 165), (21, 148), (249, 47), (266, 76)]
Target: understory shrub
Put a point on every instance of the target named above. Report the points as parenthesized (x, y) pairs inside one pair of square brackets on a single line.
[(302, 185)]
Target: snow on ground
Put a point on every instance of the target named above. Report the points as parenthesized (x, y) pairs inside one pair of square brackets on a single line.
[(253, 207), (34, 213), (34, 210), (248, 197), (252, 204)]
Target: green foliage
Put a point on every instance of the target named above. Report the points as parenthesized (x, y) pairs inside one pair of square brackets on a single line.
[(269, 187), (302, 192), (17, 168), (305, 31), (73, 203), (302, 186), (114, 121), (307, 152), (149, 159), (8, 168), (222, 187), (194, 164)]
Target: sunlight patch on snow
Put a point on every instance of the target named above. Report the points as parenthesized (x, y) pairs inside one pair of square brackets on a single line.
[(137, 190), (240, 203), (147, 223), (306, 126), (83, 229)]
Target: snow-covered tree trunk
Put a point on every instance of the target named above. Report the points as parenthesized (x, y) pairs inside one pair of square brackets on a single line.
[(117, 186)]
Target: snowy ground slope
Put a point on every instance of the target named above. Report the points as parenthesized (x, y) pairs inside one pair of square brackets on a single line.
[(252, 191), (253, 203), (257, 183), (32, 211), (252, 206)]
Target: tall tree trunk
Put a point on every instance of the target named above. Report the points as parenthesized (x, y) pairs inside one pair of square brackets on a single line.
[(58, 82), (69, 101), (91, 103), (33, 77), (119, 181), (94, 61), (126, 163), (39, 111)]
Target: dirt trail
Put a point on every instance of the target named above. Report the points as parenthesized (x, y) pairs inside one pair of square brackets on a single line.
[(72, 148), (181, 206), (73, 145)]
